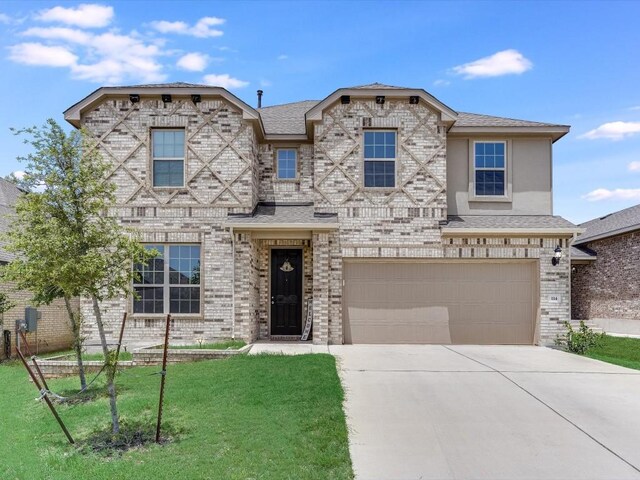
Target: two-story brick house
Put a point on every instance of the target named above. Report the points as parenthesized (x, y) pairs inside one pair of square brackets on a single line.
[(392, 217)]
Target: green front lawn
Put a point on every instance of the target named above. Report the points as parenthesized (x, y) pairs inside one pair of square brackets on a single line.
[(248, 417), (618, 350), (85, 356), (224, 345)]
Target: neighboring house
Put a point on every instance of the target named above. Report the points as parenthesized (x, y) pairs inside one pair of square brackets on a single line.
[(392, 217), (605, 285), (54, 331)]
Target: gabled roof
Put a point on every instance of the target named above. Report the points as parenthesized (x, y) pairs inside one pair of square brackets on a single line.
[(616, 223), (380, 86), (9, 194), (73, 113), (375, 89)]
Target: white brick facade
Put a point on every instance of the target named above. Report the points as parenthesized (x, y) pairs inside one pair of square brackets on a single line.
[(230, 166)]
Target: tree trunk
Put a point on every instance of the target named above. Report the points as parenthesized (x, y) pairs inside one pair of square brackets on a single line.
[(74, 319), (110, 366)]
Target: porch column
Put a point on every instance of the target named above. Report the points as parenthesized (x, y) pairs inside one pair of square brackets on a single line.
[(321, 274), (245, 287)]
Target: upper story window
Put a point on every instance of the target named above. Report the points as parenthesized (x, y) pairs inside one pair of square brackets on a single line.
[(380, 158), (168, 158), (287, 163), (170, 283), (489, 162)]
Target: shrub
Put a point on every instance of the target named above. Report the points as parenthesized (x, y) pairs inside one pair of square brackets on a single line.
[(579, 341)]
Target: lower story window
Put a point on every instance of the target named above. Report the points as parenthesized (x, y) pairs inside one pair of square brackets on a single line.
[(170, 283)]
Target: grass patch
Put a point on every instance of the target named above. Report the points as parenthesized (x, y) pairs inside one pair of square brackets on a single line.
[(225, 345), (85, 356), (248, 417), (621, 351)]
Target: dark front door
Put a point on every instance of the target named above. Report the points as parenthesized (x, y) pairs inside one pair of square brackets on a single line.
[(286, 291)]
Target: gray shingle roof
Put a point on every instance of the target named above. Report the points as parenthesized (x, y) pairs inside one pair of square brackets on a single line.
[(582, 253), (9, 194), (167, 85), (613, 224), (379, 86), (287, 118), (466, 119), (282, 214), (537, 222)]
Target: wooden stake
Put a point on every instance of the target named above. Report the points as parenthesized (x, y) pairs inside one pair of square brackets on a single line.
[(164, 376), (33, 359), (124, 320)]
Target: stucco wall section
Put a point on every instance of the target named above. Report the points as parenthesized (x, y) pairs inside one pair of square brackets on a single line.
[(530, 177), (609, 287)]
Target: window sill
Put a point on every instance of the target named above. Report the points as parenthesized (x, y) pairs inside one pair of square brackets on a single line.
[(181, 188), (286, 180), (380, 189), (180, 316), (489, 199)]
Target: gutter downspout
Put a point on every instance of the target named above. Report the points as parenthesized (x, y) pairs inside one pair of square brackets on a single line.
[(233, 284)]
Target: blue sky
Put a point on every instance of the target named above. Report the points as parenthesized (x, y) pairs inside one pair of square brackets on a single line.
[(573, 63)]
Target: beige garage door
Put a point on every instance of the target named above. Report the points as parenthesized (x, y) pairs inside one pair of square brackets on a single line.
[(413, 302)]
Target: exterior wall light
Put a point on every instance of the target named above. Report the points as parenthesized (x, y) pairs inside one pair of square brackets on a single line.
[(557, 255), (166, 98), (134, 98), (380, 99), (196, 98)]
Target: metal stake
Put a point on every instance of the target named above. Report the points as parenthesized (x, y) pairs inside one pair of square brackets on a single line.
[(45, 396), (124, 320), (33, 360), (163, 373)]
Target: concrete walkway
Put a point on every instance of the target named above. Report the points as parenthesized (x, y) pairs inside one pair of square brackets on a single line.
[(476, 412)]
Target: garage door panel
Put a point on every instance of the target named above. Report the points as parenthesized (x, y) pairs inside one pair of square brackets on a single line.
[(475, 303)]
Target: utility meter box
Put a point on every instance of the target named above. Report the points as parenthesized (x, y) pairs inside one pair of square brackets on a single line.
[(31, 317)]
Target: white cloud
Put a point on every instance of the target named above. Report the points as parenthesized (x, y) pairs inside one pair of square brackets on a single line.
[(201, 29), (634, 166), (42, 55), (613, 131), (282, 57), (634, 109), (265, 83), (193, 62), (617, 194), (4, 18), (506, 62), (224, 80), (441, 83), (59, 33), (86, 15)]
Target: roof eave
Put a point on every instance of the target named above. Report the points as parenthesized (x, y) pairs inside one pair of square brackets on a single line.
[(556, 131), (281, 226), (569, 231), (73, 113), (448, 114), (602, 236)]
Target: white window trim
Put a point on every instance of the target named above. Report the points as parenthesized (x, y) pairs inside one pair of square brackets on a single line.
[(395, 160), (153, 159), (277, 165), (166, 298), (508, 190)]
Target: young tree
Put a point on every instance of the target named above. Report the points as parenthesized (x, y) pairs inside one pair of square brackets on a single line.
[(67, 242)]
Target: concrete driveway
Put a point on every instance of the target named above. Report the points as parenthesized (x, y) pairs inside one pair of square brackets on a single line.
[(488, 412)]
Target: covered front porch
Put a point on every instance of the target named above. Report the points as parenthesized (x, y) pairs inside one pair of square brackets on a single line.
[(282, 263)]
